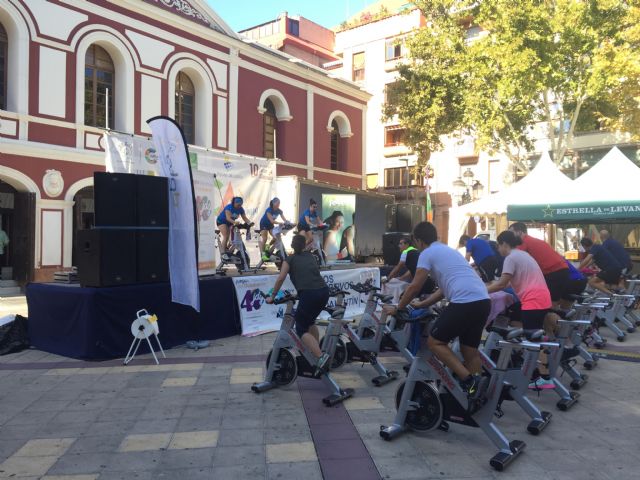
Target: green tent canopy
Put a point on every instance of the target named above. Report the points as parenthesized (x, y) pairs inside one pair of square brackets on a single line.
[(606, 193)]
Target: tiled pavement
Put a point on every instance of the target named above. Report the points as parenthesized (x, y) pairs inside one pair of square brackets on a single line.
[(194, 417)]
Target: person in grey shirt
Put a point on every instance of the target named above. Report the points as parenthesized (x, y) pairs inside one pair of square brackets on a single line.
[(313, 295)]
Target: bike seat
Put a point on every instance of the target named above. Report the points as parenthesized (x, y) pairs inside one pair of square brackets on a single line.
[(257, 231), (383, 298), (534, 335), (335, 312), (217, 231), (507, 333), (578, 298)]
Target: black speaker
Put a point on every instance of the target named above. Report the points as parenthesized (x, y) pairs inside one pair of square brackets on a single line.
[(391, 222), (390, 249), (106, 257), (408, 215), (152, 201), (114, 199), (152, 255)]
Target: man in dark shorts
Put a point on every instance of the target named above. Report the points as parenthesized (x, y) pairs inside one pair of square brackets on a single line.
[(483, 256), (610, 269), (465, 315), (552, 264)]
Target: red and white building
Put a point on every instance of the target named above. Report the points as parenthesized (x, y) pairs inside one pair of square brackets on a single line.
[(70, 68)]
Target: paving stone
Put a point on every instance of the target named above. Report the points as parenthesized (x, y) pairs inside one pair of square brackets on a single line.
[(239, 455), (198, 439), (82, 463), (302, 470), (154, 426), (91, 476), (180, 382), (16, 466), (144, 442), (96, 444), (238, 472), (45, 447), (186, 459), (363, 403), (291, 452), (241, 437), (138, 461)]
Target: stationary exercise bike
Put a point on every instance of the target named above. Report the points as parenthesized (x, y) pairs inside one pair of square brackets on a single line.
[(519, 370), (237, 254), (284, 366), (365, 340), (430, 397), (316, 245), (277, 251)]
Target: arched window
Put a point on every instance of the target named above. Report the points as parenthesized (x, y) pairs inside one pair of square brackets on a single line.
[(99, 88), (335, 143), (269, 129), (185, 106), (4, 48)]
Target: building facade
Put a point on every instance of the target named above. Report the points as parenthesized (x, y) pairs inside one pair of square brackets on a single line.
[(72, 68), (295, 36)]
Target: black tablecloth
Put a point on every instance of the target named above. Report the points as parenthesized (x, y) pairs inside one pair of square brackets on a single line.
[(95, 323)]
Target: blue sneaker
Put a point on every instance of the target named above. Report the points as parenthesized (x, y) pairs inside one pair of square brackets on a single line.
[(542, 384)]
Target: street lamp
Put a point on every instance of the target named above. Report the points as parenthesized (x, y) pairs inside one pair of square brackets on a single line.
[(465, 188)]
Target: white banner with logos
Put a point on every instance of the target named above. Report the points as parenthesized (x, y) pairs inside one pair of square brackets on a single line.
[(258, 317), (217, 177), (174, 164)]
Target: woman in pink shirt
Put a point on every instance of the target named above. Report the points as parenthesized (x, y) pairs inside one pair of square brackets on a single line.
[(523, 273)]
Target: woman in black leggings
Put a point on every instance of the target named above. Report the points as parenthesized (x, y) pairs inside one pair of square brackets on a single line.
[(313, 295)]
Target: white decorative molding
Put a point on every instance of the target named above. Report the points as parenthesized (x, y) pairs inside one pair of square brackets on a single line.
[(52, 82), (222, 122), (185, 8), (219, 70), (150, 94), (344, 126), (152, 52), (8, 127), (53, 183), (55, 20), (283, 114)]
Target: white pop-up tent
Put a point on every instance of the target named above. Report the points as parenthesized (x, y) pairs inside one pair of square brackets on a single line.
[(545, 180), (607, 192)]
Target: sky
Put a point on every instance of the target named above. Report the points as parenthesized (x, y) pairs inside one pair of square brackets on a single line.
[(242, 14)]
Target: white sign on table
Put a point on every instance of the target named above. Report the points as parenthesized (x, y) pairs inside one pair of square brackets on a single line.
[(258, 317)]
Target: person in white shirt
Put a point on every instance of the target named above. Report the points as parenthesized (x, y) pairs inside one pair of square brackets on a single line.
[(466, 314)]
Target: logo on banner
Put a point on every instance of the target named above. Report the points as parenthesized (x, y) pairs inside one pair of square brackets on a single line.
[(204, 208), (151, 156)]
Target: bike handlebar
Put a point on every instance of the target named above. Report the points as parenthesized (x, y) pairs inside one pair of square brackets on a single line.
[(334, 292), (364, 287), (243, 226), (286, 298)]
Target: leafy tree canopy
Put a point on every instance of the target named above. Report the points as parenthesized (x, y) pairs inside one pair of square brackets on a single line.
[(563, 64)]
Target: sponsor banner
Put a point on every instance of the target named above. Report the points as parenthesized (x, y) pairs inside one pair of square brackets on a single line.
[(205, 199), (621, 211), (218, 176), (173, 158), (258, 317), (129, 154)]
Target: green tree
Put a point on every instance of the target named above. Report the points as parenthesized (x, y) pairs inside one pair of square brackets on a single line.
[(535, 64)]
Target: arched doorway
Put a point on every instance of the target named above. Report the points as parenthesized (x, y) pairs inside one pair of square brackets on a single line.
[(17, 220), (83, 215)]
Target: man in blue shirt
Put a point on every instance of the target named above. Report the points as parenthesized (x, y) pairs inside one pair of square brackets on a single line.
[(610, 269), (617, 250), (483, 256)]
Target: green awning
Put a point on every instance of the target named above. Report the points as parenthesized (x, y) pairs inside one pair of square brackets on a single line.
[(621, 211)]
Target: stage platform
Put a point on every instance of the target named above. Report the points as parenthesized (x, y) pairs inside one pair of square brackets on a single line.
[(95, 323)]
